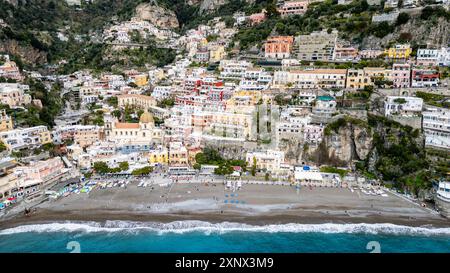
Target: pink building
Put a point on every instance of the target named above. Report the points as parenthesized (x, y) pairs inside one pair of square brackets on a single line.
[(293, 8), (41, 172), (257, 18), (401, 75)]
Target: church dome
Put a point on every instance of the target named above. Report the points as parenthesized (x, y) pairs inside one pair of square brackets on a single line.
[(146, 117)]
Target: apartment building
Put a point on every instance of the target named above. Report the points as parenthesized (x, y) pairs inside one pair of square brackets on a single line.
[(6, 122), (311, 78), (233, 69), (317, 46), (402, 106), (13, 94), (269, 160), (436, 127), (136, 100), (424, 78), (278, 47), (401, 75), (400, 51), (25, 138), (293, 8)]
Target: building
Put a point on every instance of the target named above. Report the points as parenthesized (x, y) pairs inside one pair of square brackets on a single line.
[(178, 154), (25, 138), (370, 53), (317, 46), (324, 107), (278, 47), (86, 135), (257, 18), (13, 94), (293, 8), (41, 172), (385, 17), (135, 100), (267, 161), (345, 53), (443, 198), (10, 70), (233, 69), (143, 132), (403, 106), (427, 57), (216, 53), (360, 78), (311, 78), (6, 123), (160, 156), (401, 75), (436, 127), (162, 92), (424, 78), (400, 51)]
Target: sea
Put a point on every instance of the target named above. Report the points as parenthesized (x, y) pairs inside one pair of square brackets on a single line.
[(226, 237)]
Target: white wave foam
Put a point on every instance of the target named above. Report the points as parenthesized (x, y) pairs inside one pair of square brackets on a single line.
[(180, 227)]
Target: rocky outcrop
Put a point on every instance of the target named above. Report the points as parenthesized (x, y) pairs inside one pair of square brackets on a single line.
[(420, 32), (158, 16), (28, 54), (344, 141), (211, 5)]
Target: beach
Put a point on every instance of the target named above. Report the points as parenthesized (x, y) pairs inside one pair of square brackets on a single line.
[(253, 204)]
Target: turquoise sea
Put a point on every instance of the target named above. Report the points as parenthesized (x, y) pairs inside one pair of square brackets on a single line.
[(197, 236)]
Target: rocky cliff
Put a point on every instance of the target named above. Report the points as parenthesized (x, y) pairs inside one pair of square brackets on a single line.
[(157, 15), (345, 141), (27, 54)]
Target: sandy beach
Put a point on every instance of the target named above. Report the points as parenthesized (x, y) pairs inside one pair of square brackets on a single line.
[(253, 204)]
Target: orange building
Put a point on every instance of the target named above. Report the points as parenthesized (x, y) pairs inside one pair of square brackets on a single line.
[(279, 47)]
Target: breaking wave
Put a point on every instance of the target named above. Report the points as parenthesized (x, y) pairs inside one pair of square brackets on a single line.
[(181, 227)]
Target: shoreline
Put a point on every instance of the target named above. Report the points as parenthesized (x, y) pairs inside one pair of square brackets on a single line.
[(274, 218), (257, 205)]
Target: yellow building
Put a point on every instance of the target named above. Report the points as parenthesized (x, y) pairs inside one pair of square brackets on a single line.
[(243, 101), (6, 123), (401, 51), (159, 156), (178, 154), (359, 78), (135, 100), (216, 54), (140, 79)]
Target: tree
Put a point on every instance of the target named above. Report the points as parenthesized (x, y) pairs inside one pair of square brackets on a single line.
[(101, 167), (2, 146), (142, 171), (402, 18), (254, 167), (116, 113), (124, 166)]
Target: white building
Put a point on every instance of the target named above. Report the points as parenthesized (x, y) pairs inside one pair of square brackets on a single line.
[(427, 57), (404, 106), (162, 92), (25, 138), (436, 126), (233, 69), (325, 107), (269, 160)]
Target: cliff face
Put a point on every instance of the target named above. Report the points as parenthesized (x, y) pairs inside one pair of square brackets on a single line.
[(28, 54), (351, 142), (211, 5), (158, 16), (419, 31), (343, 143)]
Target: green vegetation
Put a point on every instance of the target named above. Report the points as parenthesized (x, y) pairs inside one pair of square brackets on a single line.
[(328, 169), (401, 154), (124, 166), (342, 122), (142, 171), (434, 99), (166, 103), (210, 156), (2, 146)]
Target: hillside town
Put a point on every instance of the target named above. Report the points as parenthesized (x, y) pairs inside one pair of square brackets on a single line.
[(297, 110)]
